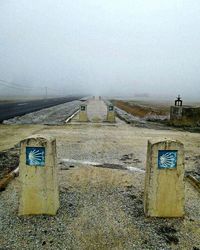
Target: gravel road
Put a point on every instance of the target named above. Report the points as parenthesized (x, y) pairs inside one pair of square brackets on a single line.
[(102, 208)]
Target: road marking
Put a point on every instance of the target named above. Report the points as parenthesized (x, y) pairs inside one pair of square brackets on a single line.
[(22, 104), (69, 118)]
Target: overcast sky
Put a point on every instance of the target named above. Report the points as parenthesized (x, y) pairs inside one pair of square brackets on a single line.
[(113, 47)]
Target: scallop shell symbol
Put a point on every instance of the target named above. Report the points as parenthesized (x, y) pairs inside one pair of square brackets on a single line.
[(36, 157), (168, 160)]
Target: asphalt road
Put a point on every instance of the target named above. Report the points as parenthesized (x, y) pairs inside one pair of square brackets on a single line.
[(12, 109)]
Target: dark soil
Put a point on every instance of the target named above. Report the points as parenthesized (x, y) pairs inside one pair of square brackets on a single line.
[(196, 172), (169, 234), (162, 229), (9, 160)]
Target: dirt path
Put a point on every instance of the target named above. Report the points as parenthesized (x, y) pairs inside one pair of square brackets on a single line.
[(96, 110), (12, 134), (100, 208)]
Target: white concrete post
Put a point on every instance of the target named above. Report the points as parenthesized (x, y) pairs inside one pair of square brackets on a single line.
[(110, 113), (38, 176), (83, 113), (164, 181)]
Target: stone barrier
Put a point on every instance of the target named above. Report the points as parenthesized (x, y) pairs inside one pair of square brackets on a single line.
[(164, 181), (38, 176), (83, 113), (110, 113), (185, 116)]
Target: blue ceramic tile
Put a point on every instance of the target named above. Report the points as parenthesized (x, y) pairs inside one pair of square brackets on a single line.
[(35, 156), (111, 108), (167, 159)]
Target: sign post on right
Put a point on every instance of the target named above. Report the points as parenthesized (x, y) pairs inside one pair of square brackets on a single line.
[(83, 113), (164, 194), (110, 113)]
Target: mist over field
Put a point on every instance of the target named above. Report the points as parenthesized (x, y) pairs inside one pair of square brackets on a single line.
[(98, 47)]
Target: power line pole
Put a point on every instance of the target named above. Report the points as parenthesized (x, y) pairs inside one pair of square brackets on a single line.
[(45, 92)]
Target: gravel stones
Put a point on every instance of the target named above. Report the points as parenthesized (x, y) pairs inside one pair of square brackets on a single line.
[(102, 208), (96, 213), (9, 160)]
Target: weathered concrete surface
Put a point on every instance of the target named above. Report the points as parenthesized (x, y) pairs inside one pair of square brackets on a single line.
[(83, 113), (110, 113), (184, 116), (97, 110), (39, 186), (111, 116), (164, 194)]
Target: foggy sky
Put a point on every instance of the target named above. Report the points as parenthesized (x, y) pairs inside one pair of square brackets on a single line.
[(115, 47)]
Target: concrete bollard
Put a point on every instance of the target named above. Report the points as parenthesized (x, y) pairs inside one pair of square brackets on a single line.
[(164, 193), (38, 176), (110, 113), (83, 113)]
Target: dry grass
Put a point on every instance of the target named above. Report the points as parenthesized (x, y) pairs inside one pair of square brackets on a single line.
[(13, 134), (85, 177), (141, 110)]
